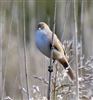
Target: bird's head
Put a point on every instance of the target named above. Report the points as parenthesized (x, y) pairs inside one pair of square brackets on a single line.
[(42, 26)]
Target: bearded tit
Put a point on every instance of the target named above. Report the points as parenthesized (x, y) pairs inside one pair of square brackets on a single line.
[(43, 39)]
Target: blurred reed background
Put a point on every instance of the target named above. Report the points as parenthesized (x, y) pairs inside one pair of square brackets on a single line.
[(20, 61)]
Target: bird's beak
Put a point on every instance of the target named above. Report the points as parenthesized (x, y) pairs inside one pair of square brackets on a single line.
[(38, 28)]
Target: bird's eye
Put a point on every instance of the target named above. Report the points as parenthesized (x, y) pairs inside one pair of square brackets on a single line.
[(40, 26)]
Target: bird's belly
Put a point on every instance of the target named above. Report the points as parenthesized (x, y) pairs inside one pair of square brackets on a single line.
[(43, 45)]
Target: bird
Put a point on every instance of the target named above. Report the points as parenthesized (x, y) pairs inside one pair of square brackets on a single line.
[(43, 41)]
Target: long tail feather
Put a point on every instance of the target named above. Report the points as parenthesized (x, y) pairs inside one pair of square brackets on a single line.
[(68, 68)]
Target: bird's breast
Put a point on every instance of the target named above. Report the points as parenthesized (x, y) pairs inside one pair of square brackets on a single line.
[(43, 44)]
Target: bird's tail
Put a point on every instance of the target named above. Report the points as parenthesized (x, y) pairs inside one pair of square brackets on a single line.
[(66, 65)]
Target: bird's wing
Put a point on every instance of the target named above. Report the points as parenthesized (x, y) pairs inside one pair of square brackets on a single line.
[(58, 50), (58, 45)]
